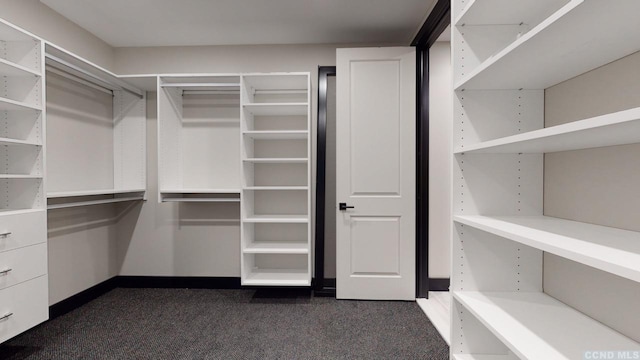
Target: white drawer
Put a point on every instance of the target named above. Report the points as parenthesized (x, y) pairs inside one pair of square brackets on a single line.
[(22, 264), (22, 229), (28, 304)]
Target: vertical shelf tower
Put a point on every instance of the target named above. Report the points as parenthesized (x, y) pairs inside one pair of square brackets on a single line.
[(24, 291), (505, 54), (276, 196)]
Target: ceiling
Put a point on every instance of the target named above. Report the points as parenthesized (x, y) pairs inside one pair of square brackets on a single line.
[(127, 23)]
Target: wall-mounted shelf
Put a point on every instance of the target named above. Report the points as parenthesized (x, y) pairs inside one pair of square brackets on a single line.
[(61, 194), (483, 12), (536, 326), (277, 277), (65, 205), (8, 141), (277, 160), (277, 219), (201, 195), (617, 128), (609, 249), (18, 176), (533, 62), (262, 188), (276, 109), (272, 247), (8, 68), (8, 104)]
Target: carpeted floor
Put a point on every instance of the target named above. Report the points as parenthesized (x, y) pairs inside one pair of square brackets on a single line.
[(231, 324)]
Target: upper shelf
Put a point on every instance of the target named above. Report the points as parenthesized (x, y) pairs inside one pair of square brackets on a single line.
[(285, 81), (483, 12), (536, 326), (562, 47), (609, 249), (8, 104), (62, 194), (8, 68), (617, 128), (274, 109)]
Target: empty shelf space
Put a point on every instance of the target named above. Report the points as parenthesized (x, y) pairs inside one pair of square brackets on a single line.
[(277, 277), (619, 128), (8, 141), (260, 188), (534, 62), (274, 109), (483, 12), (8, 68), (290, 219), (14, 176), (273, 247), (536, 326), (8, 104), (261, 82), (205, 196), (61, 194), (608, 249), (277, 160), (277, 135), (94, 202)]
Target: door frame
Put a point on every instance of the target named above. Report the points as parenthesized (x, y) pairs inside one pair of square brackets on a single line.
[(437, 21)]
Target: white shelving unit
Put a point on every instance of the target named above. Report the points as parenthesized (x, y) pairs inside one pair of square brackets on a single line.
[(118, 147), (199, 135), (275, 152), (24, 298), (503, 60)]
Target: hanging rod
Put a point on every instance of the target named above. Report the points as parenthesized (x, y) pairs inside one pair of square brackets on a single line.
[(99, 81), (78, 79)]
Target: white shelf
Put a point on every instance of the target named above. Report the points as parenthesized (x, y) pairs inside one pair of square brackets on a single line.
[(94, 202), (8, 104), (280, 247), (203, 85), (562, 47), (617, 128), (277, 109), (7, 212), (277, 160), (259, 188), (282, 219), (8, 141), (8, 68), (13, 176), (482, 357), (285, 81), (536, 326), (277, 277), (202, 200), (277, 135), (200, 191), (608, 249), (61, 194), (483, 12)]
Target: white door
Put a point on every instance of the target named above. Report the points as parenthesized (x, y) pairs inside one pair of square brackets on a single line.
[(376, 163)]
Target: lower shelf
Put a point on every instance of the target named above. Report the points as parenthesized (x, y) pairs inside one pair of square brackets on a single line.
[(277, 277), (277, 247), (537, 326)]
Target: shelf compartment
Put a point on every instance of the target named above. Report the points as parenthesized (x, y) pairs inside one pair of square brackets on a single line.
[(282, 219), (534, 325), (8, 104), (277, 135), (211, 197), (280, 247), (277, 109), (273, 81), (531, 63), (8, 68), (277, 277), (609, 249), (483, 12), (276, 269), (619, 128)]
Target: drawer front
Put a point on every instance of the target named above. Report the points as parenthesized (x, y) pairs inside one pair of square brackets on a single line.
[(23, 306), (22, 264), (19, 230)]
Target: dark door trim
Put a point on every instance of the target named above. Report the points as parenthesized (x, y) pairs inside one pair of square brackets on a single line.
[(436, 23), (322, 286)]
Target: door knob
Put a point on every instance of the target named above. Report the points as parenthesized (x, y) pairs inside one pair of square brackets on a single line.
[(343, 206)]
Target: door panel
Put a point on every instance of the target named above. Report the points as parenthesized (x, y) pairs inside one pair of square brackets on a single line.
[(375, 159)]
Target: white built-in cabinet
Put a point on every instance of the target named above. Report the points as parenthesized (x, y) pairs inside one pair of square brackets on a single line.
[(243, 138), (24, 297), (505, 54), (276, 192)]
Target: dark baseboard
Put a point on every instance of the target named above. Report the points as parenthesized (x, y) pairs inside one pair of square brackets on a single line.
[(328, 288), (82, 298), (179, 282), (439, 284)]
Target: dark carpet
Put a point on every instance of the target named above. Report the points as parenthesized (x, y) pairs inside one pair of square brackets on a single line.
[(231, 324)]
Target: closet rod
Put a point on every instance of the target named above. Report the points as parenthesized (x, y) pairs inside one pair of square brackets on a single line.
[(99, 81), (80, 80)]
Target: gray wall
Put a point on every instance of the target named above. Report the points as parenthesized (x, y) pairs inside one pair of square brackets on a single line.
[(597, 186)]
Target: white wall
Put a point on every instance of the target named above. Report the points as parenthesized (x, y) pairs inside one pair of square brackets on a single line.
[(42, 21), (597, 186), (440, 134)]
